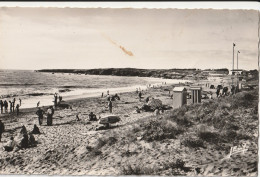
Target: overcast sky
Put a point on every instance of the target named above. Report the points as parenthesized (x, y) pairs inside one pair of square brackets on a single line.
[(46, 38)]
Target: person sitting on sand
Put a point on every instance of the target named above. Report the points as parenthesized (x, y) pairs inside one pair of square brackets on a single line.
[(10, 145), (156, 112), (23, 130), (35, 130), (32, 142), (40, 113), (24, 142), (92, 117), (2, 129)]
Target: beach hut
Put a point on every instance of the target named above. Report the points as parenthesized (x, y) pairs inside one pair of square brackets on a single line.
[(179, 97), (196, 94)]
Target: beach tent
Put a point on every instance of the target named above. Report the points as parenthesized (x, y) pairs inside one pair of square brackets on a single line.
[(155, 104), (212, 87), (179, 97)]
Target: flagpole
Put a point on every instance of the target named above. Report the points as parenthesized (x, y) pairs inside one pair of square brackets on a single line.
[(237, 58), (233, 59), (233, 64)]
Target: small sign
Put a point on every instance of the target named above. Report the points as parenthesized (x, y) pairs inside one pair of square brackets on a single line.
[(238, 149)]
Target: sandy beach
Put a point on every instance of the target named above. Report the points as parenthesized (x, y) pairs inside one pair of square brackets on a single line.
[(66, 148), (67, 132)]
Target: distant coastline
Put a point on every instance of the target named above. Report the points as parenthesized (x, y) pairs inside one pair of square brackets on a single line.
[(157, 73)]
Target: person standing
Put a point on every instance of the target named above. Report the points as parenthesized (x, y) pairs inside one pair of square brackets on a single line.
[(20, 100), (17, 109), (52, 113), (140, 96), (2, 105), (40, 113), (49, 116), (55, 99), (218, 90), (2, 129), (38, 104), (11, 106), (6, 106), (14, 101), (110, 106)]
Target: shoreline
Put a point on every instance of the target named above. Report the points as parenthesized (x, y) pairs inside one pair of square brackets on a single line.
[(66, 141), (47, 100)]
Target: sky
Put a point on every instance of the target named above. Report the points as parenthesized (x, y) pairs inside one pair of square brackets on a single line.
[(86, 38)]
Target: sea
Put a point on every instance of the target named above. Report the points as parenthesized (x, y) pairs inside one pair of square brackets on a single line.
[(33, 87)]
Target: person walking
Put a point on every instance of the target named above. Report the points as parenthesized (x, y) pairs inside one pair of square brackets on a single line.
[(2, 129), (110, 106), (40, 113), (20, 100)]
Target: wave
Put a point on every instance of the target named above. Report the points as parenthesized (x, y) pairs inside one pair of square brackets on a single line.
[(26, 84), (77, 86)]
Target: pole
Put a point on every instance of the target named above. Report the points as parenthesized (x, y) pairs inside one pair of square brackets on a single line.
[(233, 64), (237, 71), (237, 59), (233, 59)]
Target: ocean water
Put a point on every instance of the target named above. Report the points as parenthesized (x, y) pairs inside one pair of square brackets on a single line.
[(32, 86)]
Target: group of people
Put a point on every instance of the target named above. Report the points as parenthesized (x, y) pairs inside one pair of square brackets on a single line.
[(109, 99), (26, 141), (12, 106), (40, 112), (56, 97), (225, 92)]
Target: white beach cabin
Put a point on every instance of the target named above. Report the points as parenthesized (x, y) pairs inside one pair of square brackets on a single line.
[(179, 97)]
